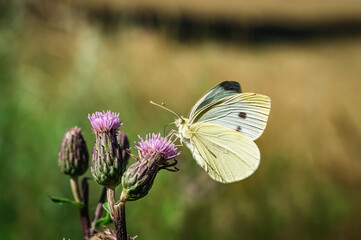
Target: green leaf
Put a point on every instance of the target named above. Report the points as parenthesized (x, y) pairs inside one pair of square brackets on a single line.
[(107, 219), (106, 207), (67, 201)]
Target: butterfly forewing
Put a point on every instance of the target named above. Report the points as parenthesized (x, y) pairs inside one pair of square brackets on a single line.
[(226, 155), (222, 90), (246, 113)]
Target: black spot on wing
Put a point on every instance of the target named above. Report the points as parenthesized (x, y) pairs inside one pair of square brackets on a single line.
[(242, 115), (231, 86), (238, 129)]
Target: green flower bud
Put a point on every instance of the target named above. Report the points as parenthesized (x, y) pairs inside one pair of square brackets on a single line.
[(73, 157), (107, 166)]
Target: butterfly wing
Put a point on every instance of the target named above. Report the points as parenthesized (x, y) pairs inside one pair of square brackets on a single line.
[(246, 113), (223, 89), (226, 155)]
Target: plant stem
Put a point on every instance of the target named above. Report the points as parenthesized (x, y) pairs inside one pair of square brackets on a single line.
[(84, 211), (111, 200), (84, 198), (122, 229), (117, 212), (75, 188)]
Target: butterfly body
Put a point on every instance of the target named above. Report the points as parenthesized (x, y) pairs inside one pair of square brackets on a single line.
[(184, 132), (220, 130)]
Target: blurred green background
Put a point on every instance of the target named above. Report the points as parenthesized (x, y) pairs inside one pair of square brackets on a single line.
[(60, 60)]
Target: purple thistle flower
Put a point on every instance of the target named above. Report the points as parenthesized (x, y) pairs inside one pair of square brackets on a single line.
[(104, 121), (108, 164), (159, 144), (156, 154)]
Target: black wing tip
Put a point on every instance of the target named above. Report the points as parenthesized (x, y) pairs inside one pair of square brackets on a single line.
[(231, 86)]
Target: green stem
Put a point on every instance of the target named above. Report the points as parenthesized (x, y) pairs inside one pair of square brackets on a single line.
[(120, 207), (117, 212), (75, 188), (84, 214)]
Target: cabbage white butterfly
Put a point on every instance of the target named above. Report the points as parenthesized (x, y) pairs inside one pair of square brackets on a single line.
[(220, 130)]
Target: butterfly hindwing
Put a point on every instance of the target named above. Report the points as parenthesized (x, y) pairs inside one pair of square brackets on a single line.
[(226, 155), (224, 89), (246, 113)]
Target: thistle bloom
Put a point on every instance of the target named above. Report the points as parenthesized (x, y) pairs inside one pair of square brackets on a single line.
[(157, 143), (104, 121), (156, 152), (108, 164), (73, 157)]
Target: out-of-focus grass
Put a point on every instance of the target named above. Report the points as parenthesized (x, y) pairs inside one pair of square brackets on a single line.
[(308, 185)]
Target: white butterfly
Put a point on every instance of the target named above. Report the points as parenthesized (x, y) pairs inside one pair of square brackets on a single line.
[(220, 130)]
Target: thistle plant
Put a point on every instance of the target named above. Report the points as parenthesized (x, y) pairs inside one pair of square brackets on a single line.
[(73, 160), (108, 168), (107, 164)]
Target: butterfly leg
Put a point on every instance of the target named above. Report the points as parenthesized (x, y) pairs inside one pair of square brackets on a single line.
[(171, 134), (174, 133), (180, 143)]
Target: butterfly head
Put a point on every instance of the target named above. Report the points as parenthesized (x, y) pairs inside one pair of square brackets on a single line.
[(181, 121)]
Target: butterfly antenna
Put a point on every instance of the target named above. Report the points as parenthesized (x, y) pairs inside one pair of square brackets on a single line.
[(162, 106)]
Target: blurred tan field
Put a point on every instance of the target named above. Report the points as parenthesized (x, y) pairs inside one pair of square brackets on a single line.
[(58, 66)]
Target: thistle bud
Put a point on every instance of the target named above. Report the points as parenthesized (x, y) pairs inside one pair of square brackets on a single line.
[(73, 156), (124, 146), (138, 179), (107, 164), (156, 152)]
